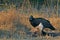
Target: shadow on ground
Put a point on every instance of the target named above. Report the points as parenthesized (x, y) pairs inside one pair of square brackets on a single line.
[(54, 34)]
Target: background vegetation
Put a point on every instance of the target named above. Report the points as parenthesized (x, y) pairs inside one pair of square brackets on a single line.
[(14, 18)]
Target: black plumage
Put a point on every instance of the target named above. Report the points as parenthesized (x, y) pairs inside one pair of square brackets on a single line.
[(36, 21)]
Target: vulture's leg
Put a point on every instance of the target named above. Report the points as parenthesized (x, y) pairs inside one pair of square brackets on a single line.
[(43, 33)]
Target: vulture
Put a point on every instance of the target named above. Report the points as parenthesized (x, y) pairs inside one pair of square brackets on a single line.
[(40, 23)]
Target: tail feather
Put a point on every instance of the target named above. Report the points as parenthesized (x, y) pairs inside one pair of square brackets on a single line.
[(52, 28)]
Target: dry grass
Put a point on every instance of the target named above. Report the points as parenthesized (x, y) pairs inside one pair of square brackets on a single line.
[(7, 19), (54, 21)]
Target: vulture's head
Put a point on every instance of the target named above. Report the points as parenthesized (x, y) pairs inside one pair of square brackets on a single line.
[(31, 18)]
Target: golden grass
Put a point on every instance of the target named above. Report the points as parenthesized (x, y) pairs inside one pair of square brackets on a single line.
[(7, 17), (54, 21)]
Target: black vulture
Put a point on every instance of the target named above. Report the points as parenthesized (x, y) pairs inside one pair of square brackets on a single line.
[(41, 23)]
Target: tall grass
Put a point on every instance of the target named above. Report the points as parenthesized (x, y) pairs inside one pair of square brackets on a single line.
[(7, 17), (14, 20)]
